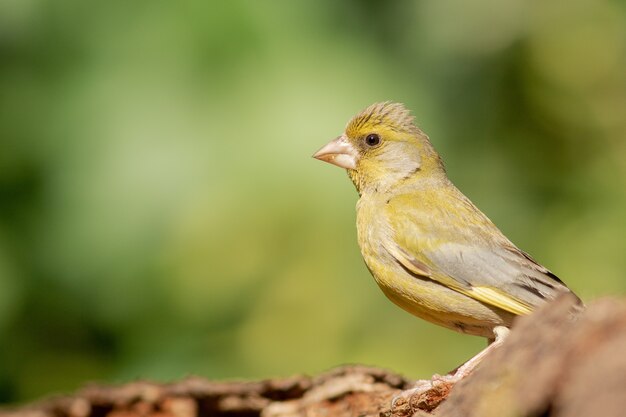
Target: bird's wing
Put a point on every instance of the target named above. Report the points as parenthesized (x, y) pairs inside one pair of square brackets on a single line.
[(466, 272), (498, 275)]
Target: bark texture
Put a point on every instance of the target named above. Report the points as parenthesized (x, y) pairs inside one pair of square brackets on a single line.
[(556, 362)]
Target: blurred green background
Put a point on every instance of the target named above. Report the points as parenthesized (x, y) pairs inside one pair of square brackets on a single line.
[(161, 215)]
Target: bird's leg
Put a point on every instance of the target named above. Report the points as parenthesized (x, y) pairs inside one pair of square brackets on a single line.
[(439, 386), (500, 333)]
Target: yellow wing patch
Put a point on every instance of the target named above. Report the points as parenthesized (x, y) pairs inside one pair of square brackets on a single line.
[(499, 299)]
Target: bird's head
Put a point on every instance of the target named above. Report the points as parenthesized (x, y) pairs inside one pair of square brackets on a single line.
[(382, 146)]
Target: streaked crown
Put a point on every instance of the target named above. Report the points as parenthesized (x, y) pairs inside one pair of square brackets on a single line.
[(393, 116)]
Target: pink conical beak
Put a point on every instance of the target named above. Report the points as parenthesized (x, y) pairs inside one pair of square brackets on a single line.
[(338, 152)]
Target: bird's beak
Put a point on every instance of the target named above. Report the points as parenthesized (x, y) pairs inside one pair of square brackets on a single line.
[(338, 152)]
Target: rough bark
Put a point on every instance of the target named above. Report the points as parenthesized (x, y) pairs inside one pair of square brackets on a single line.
[(556, 362)]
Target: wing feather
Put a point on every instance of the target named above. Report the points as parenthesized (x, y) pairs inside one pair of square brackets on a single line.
[(481, 263)]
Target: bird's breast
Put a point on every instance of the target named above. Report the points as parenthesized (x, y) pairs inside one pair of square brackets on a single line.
[(374, 231), (371, 226)]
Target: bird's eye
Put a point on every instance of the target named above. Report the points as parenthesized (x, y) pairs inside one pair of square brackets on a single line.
[(372, 139)]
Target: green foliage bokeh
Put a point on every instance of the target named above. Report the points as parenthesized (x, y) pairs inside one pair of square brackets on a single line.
[(160, 214)]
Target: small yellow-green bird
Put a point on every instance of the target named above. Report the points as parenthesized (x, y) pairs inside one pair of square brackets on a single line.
[(431, 251)]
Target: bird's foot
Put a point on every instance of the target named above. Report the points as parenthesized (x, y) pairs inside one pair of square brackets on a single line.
[(426, 394)]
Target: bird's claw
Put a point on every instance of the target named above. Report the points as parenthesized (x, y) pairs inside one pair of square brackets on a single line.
[(419, 387), (425, 394)]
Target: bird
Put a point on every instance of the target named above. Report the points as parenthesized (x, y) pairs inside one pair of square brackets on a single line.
[(429, 248)]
